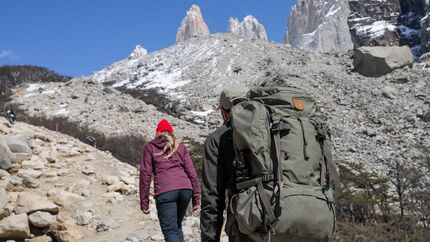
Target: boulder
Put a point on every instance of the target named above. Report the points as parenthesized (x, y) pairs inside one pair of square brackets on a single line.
[(378, 61), (15, 227), (41, 219), (109, 180), (65, 230), (18, 144), (3, 174), (29, 172), (66, 199), (43, 238), (107, 224), (30, 182), (6, 156), (30, 202)]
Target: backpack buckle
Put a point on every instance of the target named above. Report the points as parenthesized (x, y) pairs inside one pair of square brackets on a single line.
[(268, 178), (275, 127)]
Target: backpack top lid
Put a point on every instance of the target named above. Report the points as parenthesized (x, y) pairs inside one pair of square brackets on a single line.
[(229, 94), (284, 101)]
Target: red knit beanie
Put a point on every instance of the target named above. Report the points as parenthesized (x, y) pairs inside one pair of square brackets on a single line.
[(164, 125)]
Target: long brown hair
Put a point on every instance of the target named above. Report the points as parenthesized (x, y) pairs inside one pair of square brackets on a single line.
[(172, 144)]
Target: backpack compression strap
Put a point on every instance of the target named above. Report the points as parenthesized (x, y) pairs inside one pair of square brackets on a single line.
[(265, 201)]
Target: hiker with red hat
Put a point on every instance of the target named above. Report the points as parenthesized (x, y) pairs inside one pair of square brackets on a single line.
[(175, 180)]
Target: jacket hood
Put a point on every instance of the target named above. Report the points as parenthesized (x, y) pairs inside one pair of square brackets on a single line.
[(159, 142)]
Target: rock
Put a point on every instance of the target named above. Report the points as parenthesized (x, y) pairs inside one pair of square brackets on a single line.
[(378, 61), (109, 180), (129, 180), (15, 227), (141, 235), (41, 219), (389, 92), (3, 174), (30, 202), (6, 156), (250, 28), (319, 25), (66, 199), (66, 231), (3, 203), (138, 52), (3, 198), (74, 96), (29, 181), (107, 224), (192, 26), (15, 181), (36, 164), (42, 238), (88, 170), (83, 217), (18, 144), (426, 116), (29, 172), (115, 187)]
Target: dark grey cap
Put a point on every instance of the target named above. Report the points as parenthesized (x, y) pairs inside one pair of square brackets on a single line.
[(231, 93)]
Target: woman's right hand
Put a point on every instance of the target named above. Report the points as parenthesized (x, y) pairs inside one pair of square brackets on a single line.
[(146, 211)]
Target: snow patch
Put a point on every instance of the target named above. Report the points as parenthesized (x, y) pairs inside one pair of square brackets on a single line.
[(332, 12), (202, 113), (376, 29), (61, 112)]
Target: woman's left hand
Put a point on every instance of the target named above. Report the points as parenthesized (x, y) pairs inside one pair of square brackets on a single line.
[(196, 208)]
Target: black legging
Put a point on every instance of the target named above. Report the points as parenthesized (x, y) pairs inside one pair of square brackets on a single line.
[(171, 209)]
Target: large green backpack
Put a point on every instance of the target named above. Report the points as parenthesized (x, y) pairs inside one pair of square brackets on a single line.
[(285, 174)]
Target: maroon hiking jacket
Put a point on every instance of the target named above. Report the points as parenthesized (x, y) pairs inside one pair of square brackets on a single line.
[(171, 174)]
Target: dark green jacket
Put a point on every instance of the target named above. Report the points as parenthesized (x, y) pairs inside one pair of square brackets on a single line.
[(217, 177)]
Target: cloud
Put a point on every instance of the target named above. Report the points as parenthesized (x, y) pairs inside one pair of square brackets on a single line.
[(8, 54)]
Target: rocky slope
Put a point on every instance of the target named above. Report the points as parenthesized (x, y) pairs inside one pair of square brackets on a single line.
[(63, 190), (391, 22), (319, 25), (99, 115), (12, 76), (249, 28), (193, 25), (374, 120)]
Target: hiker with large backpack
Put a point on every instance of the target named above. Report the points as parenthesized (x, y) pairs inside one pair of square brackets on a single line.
[(281, 176)]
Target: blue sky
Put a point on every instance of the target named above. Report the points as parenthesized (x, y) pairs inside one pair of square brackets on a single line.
[(81, 36)]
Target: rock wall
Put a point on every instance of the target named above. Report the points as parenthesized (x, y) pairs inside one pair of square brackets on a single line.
[(192, 26), (319, 25), (389, 23), (249, 28), (425, 28)]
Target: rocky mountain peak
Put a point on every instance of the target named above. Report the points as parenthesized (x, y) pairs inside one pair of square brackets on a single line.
[(320, 25), (138, 52), (193, 25), (249, 28)]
